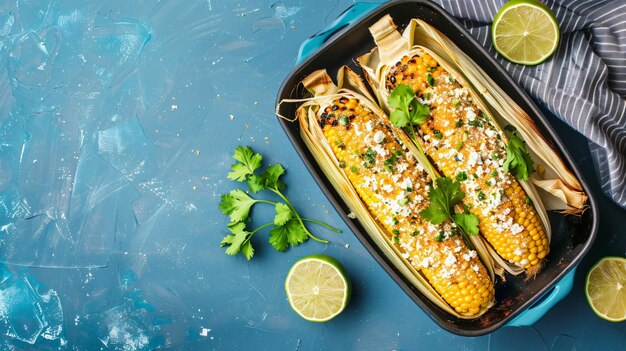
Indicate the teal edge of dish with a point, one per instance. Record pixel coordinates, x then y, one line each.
563 287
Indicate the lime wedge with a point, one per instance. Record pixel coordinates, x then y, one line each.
606 288
525 31
318 288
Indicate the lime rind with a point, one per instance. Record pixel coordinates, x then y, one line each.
593 269
553 35
340 272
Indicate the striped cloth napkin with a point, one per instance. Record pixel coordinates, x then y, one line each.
584 83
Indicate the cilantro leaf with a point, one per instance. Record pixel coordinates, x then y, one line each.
434 213
235 240
247 250
283 214
268 179
419 112
400 96
250 161
518 161
278 238
290 234
237 205
256 183
296 233
406 109
467 221
271 175
399 118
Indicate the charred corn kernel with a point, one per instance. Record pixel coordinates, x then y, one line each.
459 137
384 172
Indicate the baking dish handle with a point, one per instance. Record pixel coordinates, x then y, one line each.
546 302
349 16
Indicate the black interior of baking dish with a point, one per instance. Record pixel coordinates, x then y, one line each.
571 235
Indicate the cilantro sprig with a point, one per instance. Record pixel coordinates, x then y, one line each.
287 228
407 111
518 161
443 199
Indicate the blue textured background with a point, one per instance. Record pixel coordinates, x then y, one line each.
117 122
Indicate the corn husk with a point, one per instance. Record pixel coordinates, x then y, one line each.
350 85
555 188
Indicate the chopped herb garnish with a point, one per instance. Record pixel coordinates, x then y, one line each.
495 156
459 146
395 232
430 80
456 102
415 233
342 164
438 135
475 123
391 160
354 169
461 176
389 169
494 173
488 182
395 220
529 201
409 189
459 123
439 238
451 79
481 196
403 202
426 96
396 240
370 158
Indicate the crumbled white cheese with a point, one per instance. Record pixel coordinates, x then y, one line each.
406 183
517 252
426 262
379 136
369 125
490 132
474 157
450 260
517 228
471 115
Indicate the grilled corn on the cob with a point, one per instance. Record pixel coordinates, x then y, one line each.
394 188
463 143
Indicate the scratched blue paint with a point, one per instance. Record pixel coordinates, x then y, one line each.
117 122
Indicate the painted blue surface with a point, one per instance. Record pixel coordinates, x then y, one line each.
117 122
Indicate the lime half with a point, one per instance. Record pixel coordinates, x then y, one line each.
318 288
525 31
606 288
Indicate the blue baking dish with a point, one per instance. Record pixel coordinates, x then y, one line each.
519 302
